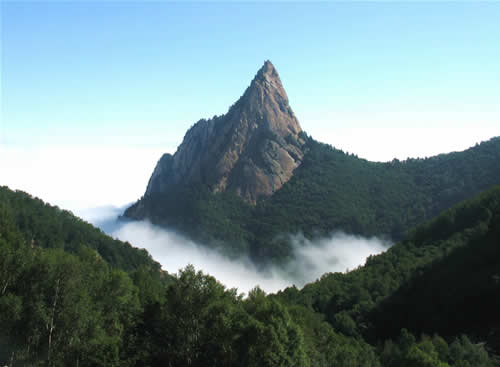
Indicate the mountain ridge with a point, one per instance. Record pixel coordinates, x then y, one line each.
241 188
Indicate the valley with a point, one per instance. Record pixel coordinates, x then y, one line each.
250 184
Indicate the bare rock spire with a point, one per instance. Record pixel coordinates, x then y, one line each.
252 150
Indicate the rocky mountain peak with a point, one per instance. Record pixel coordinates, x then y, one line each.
266 100
268 74
252 150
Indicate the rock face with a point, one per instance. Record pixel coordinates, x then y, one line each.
252 150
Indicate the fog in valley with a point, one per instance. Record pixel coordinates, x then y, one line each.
336 253
78 177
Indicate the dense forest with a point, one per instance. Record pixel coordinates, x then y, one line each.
70 295
45 226
444 278
331 190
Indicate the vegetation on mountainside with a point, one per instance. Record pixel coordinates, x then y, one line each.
65 303
43 225
460 291
331 190
443 279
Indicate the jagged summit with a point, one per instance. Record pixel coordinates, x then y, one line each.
253 149
267 71
268 68
266 93
269 77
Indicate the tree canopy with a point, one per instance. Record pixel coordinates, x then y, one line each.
64 303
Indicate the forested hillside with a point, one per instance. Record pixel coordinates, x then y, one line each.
331 190
63 304
460 291
42 225
443 279
64 301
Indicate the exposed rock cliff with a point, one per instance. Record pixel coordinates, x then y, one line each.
252 150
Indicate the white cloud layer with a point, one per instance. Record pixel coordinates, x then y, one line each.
77 177
173 251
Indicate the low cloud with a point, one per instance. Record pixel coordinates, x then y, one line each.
78 177
336 253
107 177
105 217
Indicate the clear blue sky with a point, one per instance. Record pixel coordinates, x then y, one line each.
73 70
372 78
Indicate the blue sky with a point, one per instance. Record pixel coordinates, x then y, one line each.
381 79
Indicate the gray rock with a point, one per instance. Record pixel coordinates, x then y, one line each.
252 150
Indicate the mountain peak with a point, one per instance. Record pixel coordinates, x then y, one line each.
252 150
268 70
266 100
268 79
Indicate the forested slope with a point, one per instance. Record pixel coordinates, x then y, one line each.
331 190
461 291
443 279
64 304
42 225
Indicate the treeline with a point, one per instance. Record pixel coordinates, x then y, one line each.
68 305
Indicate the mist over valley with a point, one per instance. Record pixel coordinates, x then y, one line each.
311 258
